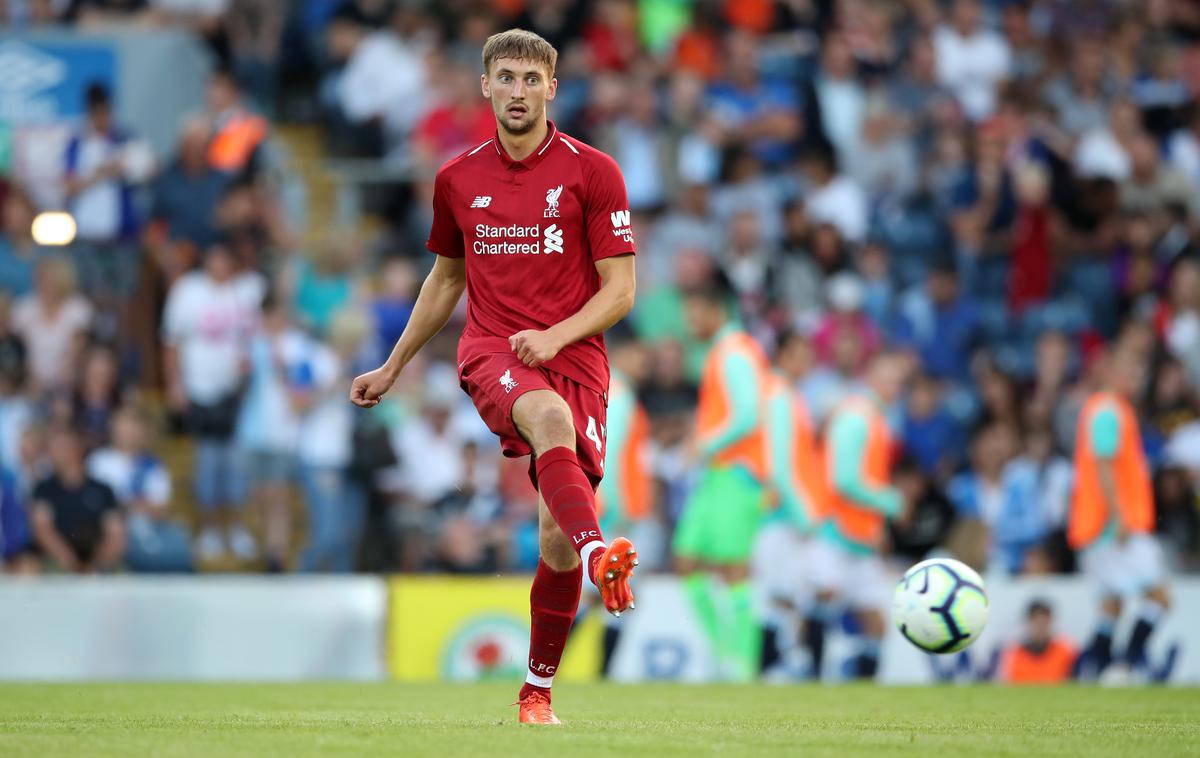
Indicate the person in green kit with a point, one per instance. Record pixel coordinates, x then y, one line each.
715 535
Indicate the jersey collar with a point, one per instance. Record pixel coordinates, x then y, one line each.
533 158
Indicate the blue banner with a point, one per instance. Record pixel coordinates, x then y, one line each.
45 82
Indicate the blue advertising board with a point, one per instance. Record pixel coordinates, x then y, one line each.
43 82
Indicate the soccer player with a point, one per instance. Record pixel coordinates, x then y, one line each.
845 564
798 494
1112 513
716 531
534 225
626 493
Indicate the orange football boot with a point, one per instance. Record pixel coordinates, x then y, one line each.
612 574
535 709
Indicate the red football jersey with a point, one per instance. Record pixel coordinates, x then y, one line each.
531 232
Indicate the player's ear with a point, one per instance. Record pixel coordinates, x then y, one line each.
485 86
552 89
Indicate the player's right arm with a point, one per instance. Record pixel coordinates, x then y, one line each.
848 439
1105 432
435 304
781 443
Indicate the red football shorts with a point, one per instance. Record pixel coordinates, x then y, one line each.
495 381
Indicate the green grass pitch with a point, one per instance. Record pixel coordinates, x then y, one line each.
95 720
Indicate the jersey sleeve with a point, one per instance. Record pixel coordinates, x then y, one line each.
606 216
1105 432
445 238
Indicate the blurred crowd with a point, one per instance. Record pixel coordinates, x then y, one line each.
1006 188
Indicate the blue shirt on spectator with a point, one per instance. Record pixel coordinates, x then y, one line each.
188 203
944 337
15 534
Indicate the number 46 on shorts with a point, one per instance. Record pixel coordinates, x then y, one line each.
597 439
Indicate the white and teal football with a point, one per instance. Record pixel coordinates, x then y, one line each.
940 605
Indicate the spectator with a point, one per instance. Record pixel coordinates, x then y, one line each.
917 97
328 282
12 374
1041 657
335 502
980 493
142 486
100 159
268 428
833 198
238 135
385 77
392 306
76 520
1081 97
17 549
208 320
1037 486
940 322
883 160
753 107
1177 510
845 295
459 121
1152 186
931 435
928 525
53 322
183 216
838 99
97 396
971 60
19 254
1178 318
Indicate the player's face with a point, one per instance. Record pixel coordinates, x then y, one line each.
519 91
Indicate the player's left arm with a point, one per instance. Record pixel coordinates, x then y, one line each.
610 240
611 303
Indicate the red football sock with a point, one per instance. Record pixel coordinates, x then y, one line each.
553 600
572 502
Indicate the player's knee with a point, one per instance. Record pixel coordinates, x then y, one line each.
552 425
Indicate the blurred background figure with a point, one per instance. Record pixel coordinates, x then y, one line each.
1041 656
77 520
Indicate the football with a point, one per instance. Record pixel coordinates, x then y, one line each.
940 605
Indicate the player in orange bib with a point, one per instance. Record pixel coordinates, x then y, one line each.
1112 515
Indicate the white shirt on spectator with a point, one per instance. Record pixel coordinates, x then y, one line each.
210 325
48 339
97 209
117 469
841 203
385 78
972 67
326 429
431 463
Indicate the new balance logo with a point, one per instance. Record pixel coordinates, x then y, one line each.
507 382
619 219
481 201
553 241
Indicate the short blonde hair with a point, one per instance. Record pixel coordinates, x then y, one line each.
521 45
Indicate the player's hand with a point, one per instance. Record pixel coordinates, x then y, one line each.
370 387
534 347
